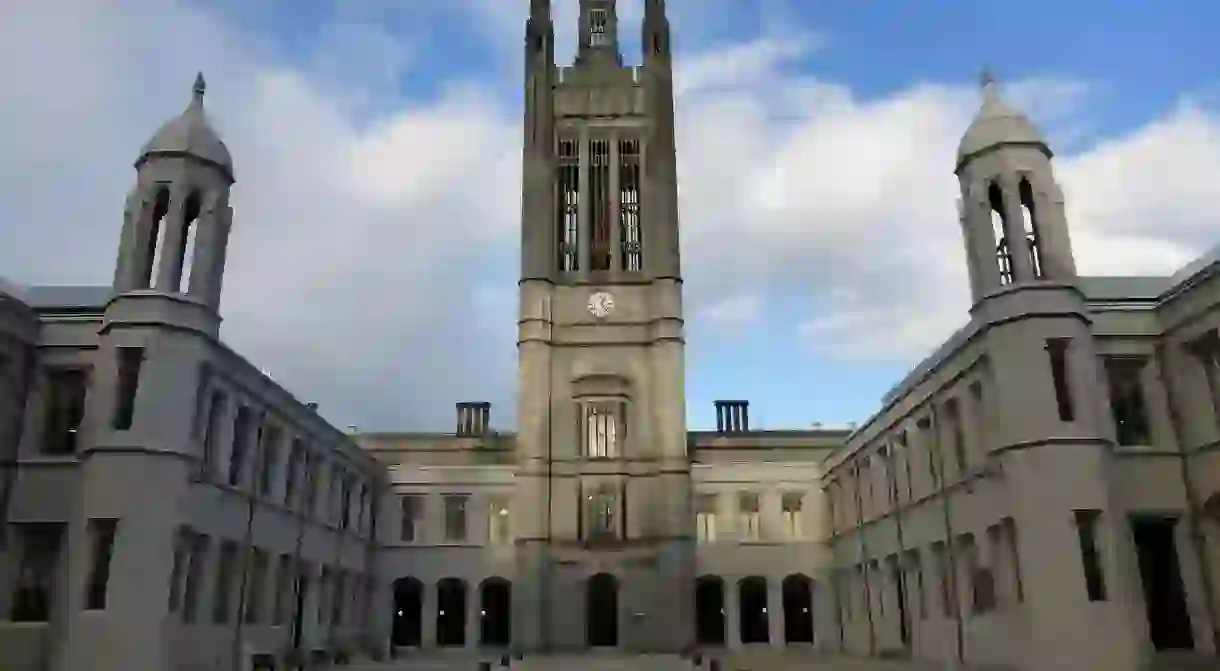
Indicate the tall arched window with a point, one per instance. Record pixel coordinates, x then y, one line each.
1003 253
1033 242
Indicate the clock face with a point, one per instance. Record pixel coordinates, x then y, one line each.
601 304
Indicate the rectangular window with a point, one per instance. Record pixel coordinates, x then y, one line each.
1127 403
292 477
568 197
412 508
957 434
242 424
101 535
920 595
256 584
793 524
944 579
979 415
222 602
37 554
268 458
1056 349
283 589
1009 526
599 198
597 27
748 505
130 360
63 409
211 430
630 238
602 514
182 559
1086 532
705 518
930 443
499 530
602 424
325 587
194 577
310 482
345 506
455 518
337 601
902 448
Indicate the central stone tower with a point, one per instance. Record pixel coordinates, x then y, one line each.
603 502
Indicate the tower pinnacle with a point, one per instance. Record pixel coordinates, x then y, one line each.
199 89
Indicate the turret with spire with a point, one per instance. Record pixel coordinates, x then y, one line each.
1012 208
179 207
1049 431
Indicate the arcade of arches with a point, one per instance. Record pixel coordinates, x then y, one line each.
751 610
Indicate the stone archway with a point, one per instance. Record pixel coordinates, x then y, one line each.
407 628
709 610
797 592
601 614
495 612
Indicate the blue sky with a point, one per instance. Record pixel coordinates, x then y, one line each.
821 248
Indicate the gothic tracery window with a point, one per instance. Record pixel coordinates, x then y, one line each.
630 240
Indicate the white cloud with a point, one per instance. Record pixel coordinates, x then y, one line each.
372 265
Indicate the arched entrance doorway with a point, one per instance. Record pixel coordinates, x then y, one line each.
408 610
451 612
798 609
601 615
752 600
495 600
709 610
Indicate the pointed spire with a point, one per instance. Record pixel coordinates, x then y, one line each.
989 87
199 89
986 78
996 122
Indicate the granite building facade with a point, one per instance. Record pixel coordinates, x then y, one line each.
1042 493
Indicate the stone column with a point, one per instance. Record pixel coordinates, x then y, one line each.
428 616
1160 417
980 237
474 616
775 611
732 614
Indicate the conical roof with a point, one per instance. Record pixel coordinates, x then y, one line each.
997 123
190 133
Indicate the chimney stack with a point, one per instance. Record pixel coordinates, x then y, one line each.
732 416
473 418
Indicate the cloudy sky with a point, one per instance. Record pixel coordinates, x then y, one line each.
372 264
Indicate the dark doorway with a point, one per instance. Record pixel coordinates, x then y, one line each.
601 617
495 599
407 629
709 610
1164 594
752 599
450 612
798 609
